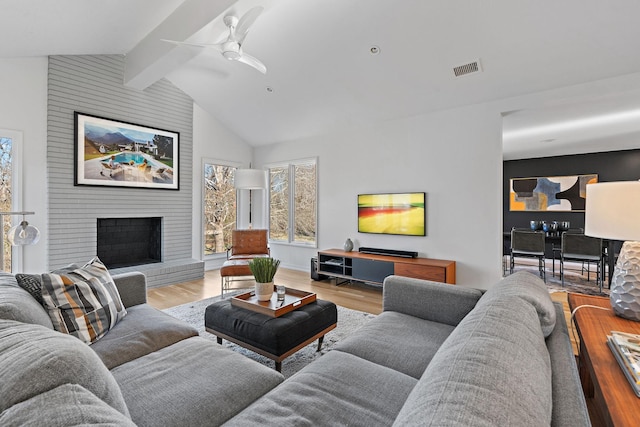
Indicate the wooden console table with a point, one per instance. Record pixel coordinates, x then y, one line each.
601 376
372 268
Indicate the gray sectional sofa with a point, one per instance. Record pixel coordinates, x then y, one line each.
149 370
438 355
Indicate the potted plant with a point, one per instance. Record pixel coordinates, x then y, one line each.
264 269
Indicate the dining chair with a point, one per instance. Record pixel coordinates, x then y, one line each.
528 244
556 248
584 249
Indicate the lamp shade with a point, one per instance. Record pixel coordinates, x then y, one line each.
250 179
23 234
613 210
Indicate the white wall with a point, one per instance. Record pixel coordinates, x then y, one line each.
23 107
454 156
211 140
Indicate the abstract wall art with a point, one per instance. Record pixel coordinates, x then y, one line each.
552 193
396 213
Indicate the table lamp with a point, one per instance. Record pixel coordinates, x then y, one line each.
250 179
613 212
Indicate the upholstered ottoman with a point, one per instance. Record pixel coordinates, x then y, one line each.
274 337
234 268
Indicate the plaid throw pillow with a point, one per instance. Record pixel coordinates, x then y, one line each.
83 302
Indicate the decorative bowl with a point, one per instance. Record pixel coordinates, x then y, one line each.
535 225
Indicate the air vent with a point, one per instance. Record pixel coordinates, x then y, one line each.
470 68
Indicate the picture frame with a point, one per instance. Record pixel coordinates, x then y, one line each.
550 193
114 153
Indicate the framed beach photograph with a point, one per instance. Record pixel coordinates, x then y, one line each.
119 154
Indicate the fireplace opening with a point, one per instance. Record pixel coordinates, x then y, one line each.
126 242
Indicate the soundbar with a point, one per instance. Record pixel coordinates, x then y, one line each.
390 252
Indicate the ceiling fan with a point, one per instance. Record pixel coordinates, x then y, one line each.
231 47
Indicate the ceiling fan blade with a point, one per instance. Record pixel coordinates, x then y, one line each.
246 22
252 62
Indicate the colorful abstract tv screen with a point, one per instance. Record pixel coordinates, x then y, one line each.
396 213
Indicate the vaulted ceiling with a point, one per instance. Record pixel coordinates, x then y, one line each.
321 74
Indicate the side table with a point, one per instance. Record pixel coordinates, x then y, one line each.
602 378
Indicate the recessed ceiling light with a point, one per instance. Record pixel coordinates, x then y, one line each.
269 89
374 50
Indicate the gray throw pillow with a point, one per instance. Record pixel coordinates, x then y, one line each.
31 283
493 370
66 405
34 359
529 288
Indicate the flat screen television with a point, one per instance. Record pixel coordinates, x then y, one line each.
392 213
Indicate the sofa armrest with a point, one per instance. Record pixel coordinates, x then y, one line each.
428 300
132 288
569 405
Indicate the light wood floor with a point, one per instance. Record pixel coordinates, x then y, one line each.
354 296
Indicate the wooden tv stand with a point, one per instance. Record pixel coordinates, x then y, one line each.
372 268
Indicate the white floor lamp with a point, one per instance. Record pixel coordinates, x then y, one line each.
250 179
613 212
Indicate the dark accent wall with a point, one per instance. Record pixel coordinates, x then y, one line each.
610 166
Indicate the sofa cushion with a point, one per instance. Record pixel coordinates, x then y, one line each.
17 304
66 405
398 341
31 283
82 302
338 389
192 382
493 370
34 359
530 288
143 331
438 302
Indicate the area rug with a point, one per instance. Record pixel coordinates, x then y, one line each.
574 281
348 321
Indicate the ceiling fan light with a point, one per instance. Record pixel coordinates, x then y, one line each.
230 55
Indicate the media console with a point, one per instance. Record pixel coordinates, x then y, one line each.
373 268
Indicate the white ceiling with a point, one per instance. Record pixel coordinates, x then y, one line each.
322 73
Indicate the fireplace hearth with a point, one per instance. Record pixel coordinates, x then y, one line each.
126 242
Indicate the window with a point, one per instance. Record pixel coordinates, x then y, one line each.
219 207
10 190
293 202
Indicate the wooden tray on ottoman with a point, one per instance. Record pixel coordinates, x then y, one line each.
293 299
